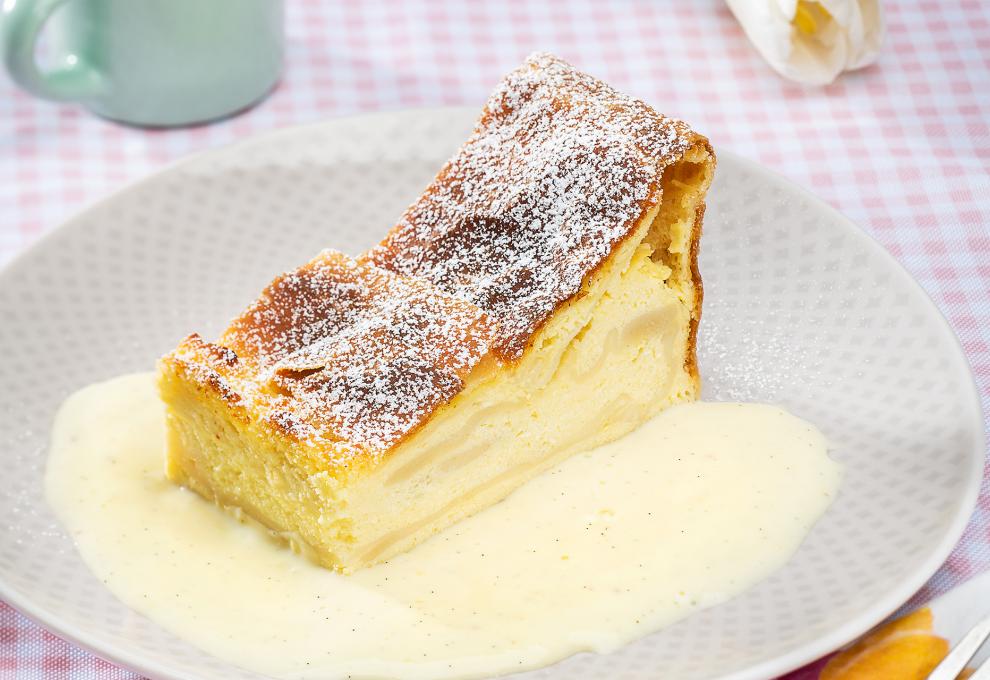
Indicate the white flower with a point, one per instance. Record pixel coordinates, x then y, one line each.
812 41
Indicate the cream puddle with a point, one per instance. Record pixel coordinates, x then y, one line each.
692 508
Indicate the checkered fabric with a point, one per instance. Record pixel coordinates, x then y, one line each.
902 148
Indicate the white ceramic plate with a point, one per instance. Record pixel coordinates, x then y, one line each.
801 309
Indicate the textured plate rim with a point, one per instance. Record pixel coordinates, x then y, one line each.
910 584
781 664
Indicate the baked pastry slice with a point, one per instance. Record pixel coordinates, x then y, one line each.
540 298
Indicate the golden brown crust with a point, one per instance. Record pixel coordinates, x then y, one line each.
691 357
204 364
355 356
696 281
342 354
559 170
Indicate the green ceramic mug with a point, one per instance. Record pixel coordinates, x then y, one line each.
147 62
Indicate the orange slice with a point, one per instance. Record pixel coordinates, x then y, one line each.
905 649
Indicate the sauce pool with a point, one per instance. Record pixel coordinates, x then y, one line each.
695 506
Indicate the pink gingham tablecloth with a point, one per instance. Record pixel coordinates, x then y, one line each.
902 148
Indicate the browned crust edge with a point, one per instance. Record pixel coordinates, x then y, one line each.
691 357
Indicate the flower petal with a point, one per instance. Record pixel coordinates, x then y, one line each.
812 41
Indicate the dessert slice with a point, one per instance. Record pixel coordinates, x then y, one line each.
541 298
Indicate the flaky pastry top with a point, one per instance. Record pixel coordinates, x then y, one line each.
558 170
354 355
343 353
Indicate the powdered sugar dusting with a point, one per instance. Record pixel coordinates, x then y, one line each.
558 170
345 353
351 356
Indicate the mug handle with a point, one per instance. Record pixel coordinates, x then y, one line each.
20 25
